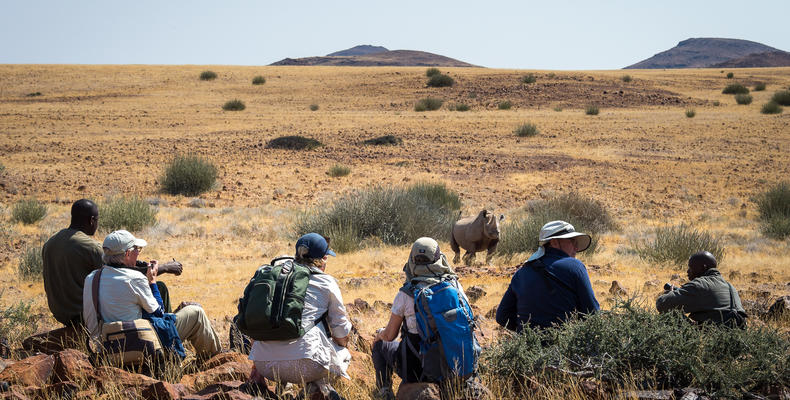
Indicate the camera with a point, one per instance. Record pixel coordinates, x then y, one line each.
142 266
667 286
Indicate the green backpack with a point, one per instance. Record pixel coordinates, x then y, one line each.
271 308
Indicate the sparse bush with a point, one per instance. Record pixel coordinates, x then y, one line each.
690 113
130 213
188 175
743 99
31 264
730 75
391 215
461 107
208 75
591 110
774 208
782 97
17 321
428 104
558 108
528 78
2 168
28 211
258 80
759 87
520 233
504 105
527 129
432 72
675 244
234 105
338 170
631 344
771 107
294 142
626 78
716 103
735 88
33 94
551 75
386 140
313 107
440 80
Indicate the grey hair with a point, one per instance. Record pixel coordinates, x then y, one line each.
316 262
115 259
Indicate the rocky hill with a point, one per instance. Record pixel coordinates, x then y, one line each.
704 53
767 59
400 58
360 50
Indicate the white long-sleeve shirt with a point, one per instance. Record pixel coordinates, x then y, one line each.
123 295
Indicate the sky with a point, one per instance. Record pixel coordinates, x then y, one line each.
560 34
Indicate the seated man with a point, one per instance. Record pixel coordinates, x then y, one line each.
126 294
707 297
552 284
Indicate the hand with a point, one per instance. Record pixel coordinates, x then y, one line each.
186 303
153 268
378 335
171 267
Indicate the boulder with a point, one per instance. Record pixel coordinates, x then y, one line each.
491 314
4 364
164 391
31 371
361 305
55 340
617 289
224 358
360 369
23 393
418 391
228 390
71 365
109 378
62 390
229 371
780 307
475 293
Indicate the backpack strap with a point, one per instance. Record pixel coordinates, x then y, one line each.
539 266
95 292
278 298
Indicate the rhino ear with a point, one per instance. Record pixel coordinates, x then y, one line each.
483 213
501 217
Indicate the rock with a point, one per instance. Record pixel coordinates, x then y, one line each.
230 371
652 283
780 307
31 371
111 378
360 369
649 394
382 305
491 314
592 390
475 293
418 391
71 365
674 277
23 393
197 203
223 358
54 341
164 391
62 390
617 289
355 282
4 363
228 390
361 305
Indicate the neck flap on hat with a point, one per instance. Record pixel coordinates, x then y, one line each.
427 274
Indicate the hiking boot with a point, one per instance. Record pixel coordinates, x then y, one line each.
385 393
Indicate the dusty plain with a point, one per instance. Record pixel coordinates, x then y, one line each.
99 131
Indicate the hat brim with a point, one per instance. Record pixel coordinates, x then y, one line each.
583 243
139 242
329 252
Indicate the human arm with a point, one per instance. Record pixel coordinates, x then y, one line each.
683 298
390 332
506 312
336 317
586 301
88 311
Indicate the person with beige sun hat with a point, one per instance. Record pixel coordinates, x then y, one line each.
552 284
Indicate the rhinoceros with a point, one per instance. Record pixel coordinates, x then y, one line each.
475 234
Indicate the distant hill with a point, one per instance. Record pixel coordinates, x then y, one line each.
399 58
703 53
360 50
767 59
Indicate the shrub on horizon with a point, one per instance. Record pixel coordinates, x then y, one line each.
234 105
386 140
432 72
440 80
293 142
626 78
313 107
208 75
591 110
130 213
759 87
28 211
188 175
504 105
730 75
338 170
529 78
31 264
428 104
690 113
771 107
782 97
461 107
743 99
735 88
773 206
258 80
527 129
675 244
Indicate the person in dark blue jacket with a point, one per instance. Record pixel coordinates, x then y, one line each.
552 284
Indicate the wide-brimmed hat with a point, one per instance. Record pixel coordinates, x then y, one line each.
560 230
118 242
313 245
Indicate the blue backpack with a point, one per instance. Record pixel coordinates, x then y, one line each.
448 346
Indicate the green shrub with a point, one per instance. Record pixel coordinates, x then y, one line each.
432 72
527 129
759 87
716 103
735 88
591 110
130 213
461 107
428 104
28 211
631 344
391 215
33 94
771 107
189 175
31 265
558 108
386 140
17 321
690 113
743 99
675 244
338 170
730 75
626 78
313 107
520 233
782 97
2 168
208 75
440 80
258 80
528 78
234 105
294 142
504 105
774 208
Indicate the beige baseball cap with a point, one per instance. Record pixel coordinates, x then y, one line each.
118 242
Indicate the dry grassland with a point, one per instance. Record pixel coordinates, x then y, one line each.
102 130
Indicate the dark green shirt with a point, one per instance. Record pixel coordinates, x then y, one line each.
69 256
706 298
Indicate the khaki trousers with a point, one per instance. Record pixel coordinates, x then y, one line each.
193 325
